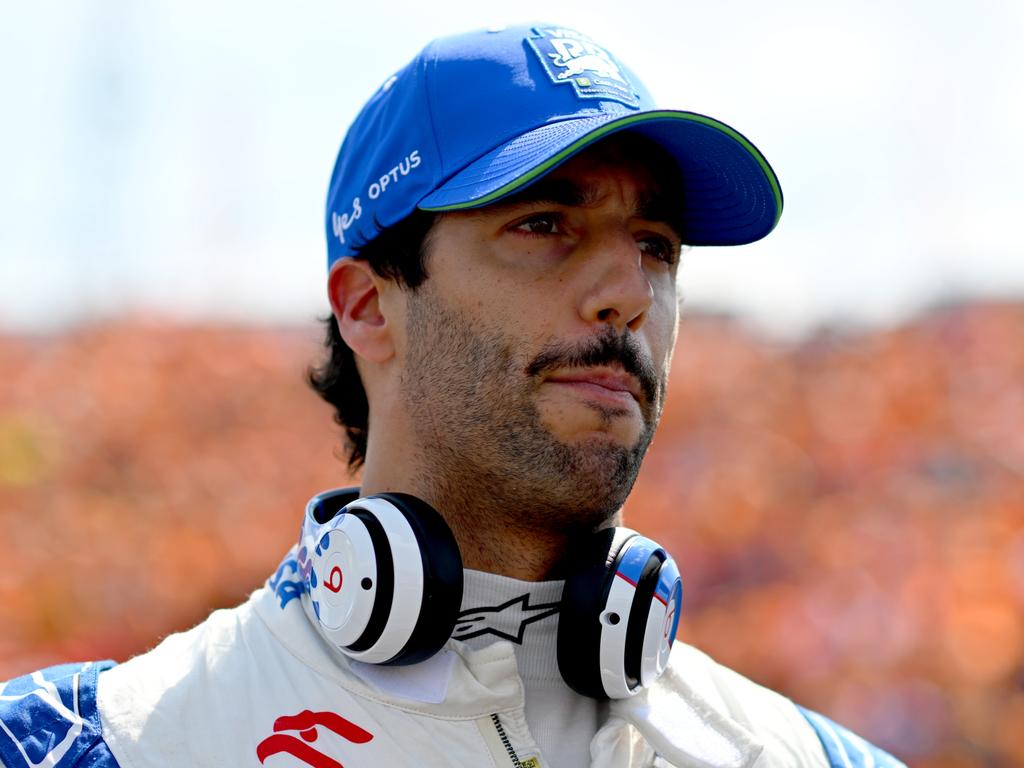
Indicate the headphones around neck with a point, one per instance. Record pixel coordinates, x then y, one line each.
383 578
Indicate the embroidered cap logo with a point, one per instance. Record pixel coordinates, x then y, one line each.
573 58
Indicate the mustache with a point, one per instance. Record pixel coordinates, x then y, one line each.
608 348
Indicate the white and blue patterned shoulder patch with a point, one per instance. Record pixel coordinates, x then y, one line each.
49 718
289 581
846 749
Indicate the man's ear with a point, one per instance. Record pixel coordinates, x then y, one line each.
353 288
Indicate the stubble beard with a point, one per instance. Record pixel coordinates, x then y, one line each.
484 449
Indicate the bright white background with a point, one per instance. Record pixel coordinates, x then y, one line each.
173 155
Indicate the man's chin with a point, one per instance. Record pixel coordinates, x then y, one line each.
603 441
602 470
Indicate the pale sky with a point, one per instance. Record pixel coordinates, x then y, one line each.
174 156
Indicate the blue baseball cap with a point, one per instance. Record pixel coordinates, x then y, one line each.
478 116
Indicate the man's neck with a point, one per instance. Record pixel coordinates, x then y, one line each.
508 550
490 533
489 542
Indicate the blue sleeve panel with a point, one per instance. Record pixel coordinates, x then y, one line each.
50 718
845 749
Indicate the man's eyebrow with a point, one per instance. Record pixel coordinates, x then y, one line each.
557 191
657 206
652 206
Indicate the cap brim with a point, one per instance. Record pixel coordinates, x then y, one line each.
731 193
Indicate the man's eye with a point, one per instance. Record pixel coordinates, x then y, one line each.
660 248
540 224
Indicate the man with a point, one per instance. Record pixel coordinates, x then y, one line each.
504 223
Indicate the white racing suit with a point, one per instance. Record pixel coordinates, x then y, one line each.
257 685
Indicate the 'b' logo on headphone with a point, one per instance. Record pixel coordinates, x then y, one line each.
670 616
334 580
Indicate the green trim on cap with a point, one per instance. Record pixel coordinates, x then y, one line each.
614 125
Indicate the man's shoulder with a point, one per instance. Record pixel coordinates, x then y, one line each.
190 675
791 734
66 715
50 717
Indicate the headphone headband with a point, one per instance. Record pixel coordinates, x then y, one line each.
384 585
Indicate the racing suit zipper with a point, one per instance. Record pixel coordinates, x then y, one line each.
505 741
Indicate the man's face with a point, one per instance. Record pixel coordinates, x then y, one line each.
535 355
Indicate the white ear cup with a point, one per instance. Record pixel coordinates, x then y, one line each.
343 579
383 575
618 614
614 623
624 612
662 623
407 582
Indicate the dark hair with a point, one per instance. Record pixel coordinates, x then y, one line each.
397 253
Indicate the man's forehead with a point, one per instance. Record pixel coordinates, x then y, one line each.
655 187
579 183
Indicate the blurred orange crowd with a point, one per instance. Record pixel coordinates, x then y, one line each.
847 512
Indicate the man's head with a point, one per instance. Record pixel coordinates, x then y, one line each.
512 318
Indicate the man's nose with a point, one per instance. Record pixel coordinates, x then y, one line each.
620 292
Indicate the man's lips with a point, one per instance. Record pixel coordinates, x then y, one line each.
601 383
